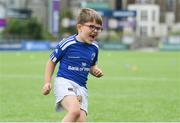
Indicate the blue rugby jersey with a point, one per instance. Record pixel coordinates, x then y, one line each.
75 59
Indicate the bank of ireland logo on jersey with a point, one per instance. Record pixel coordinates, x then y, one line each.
92 56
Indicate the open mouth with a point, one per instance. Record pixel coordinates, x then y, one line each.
92 36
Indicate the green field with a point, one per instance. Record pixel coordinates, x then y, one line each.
137 86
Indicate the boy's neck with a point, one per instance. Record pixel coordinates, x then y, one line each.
78 37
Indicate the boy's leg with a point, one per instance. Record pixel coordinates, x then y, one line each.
83 117
71 104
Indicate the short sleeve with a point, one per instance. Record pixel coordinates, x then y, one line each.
57 54
60 49
95 60
96 48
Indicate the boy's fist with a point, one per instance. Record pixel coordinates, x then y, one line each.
46 88
96 72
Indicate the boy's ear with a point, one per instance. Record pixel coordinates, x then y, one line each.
78 26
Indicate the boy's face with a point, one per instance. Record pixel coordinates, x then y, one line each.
89 31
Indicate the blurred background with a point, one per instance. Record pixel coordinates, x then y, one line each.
128 24
139 55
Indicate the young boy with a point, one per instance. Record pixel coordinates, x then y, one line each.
78 56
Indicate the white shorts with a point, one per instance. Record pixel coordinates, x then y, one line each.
64 87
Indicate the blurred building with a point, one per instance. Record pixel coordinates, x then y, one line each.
40 10
147 19
169 6
166 6
169 17
169 10
166 13
26 8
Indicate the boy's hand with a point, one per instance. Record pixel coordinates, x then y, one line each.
47 88
96 72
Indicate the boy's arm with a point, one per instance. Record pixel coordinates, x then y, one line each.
49 69
95 71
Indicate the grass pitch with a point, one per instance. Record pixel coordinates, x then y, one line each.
137 86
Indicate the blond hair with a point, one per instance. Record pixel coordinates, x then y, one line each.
89 15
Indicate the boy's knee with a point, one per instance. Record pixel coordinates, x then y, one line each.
75 113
